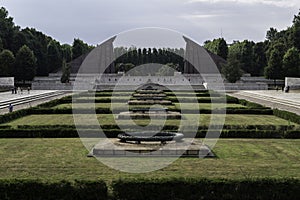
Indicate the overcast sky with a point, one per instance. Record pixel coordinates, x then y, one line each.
96 20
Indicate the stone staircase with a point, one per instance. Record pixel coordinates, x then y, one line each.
29 98
270 101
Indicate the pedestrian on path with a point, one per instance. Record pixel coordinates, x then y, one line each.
10 108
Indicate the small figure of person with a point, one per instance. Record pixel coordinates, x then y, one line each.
12 91
21 90
28 90
15 88
10 108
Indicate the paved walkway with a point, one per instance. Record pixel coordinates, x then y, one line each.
6 97
272 98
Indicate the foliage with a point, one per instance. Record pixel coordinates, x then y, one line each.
137 189
287 115
65 78
274 68
36 189
217 46
232 69
25 68
79 48
147 56
54 56
291 63
7 61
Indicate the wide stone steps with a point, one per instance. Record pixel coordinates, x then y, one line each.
27 99
284 102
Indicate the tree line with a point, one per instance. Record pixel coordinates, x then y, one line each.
25 53
128 58
275 58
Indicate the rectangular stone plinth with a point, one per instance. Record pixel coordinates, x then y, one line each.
114 148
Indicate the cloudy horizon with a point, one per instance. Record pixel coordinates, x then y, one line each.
96 20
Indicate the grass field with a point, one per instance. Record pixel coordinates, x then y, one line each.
106 119
57 159
188 106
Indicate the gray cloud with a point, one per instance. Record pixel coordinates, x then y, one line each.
96 20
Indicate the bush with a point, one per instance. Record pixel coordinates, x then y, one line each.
243 133
14 115
293 134
192 189
34 189
287 115
251 104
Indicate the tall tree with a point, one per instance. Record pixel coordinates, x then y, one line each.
259 59
7 28
79 48
7 60
232 70
272 34
65 78
295 35
274 68
217 46
291 63
54 56
67 52
1 45
25 67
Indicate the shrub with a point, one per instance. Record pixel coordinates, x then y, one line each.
34 189
287 115
192 189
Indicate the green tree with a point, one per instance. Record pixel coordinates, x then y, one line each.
217 46
259 59
7 60
1 45
7 28
272 34
54 56
295 31
274 68
25 67
291 63
232 70
65 78
67 52
79 48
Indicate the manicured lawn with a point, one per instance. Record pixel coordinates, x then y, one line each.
187 106
56 159
208 106
106 119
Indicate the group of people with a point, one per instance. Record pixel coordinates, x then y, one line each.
19 90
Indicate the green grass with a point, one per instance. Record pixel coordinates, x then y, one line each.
56 159
187 106
208 106
106 119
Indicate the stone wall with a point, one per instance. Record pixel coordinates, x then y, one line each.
7 82
294 83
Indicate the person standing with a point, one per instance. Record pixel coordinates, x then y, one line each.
10 108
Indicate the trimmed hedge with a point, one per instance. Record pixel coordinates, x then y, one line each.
287 115
251 104
35 189
14 115
193 189
245 133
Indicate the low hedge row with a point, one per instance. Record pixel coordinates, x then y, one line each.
112 133
193 189
14 115
287 115
251 104
35 189
137 189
